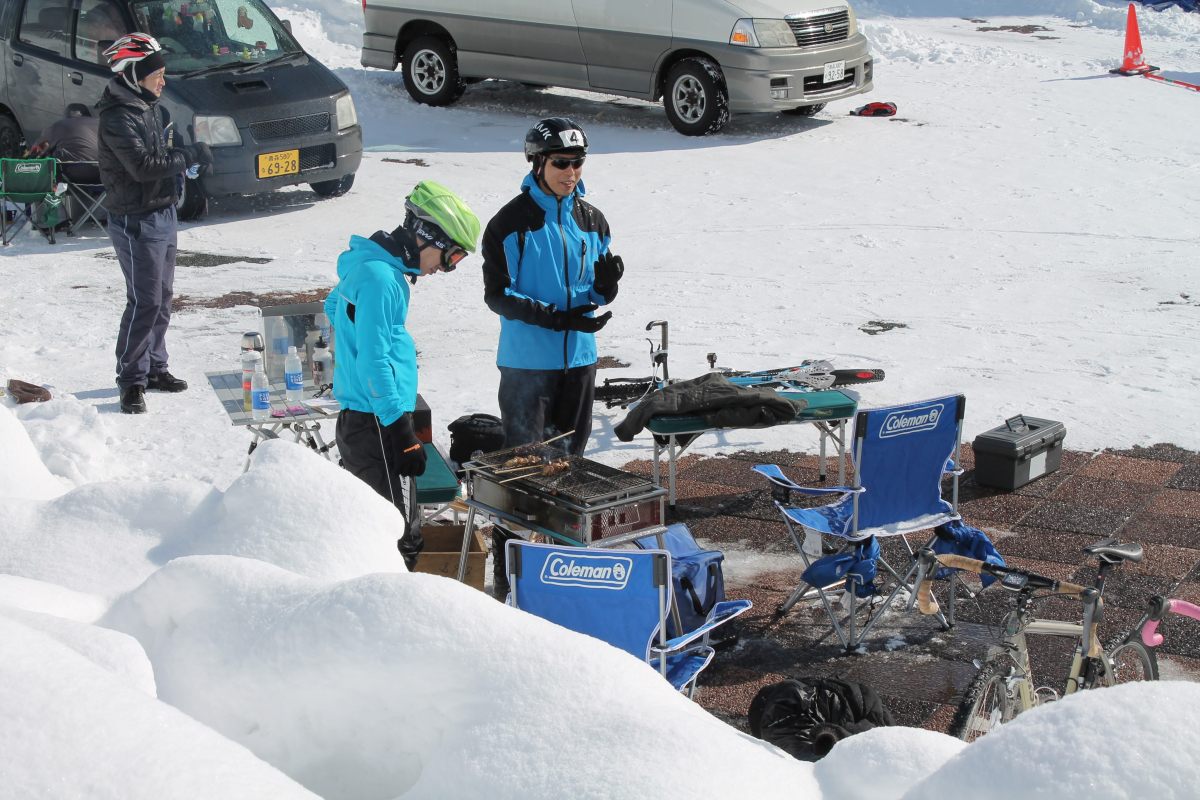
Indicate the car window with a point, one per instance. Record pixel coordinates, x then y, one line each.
47 24
100 24
196 34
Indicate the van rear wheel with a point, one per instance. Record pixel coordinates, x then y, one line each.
696 100
431 72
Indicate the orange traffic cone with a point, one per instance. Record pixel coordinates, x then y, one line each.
1134 63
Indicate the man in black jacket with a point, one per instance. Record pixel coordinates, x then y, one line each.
140 173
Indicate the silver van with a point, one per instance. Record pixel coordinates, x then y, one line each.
236 79
703 58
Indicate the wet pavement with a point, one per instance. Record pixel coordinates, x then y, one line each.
1148 495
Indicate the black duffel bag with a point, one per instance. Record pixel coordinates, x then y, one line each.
474 432
808 716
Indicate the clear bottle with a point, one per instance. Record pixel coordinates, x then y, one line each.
278 338
260 390
322 323
322 365
293 377
249 359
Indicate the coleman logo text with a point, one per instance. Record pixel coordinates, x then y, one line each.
591 572
913 420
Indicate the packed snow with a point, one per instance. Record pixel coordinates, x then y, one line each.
174 626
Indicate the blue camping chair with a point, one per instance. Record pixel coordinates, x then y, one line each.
621 597
900 455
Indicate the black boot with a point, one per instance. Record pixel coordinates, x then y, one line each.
133 400
165 382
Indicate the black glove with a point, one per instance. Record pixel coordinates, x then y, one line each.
198 154
407 458
574 320
608 270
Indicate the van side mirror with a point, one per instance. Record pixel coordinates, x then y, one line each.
287 24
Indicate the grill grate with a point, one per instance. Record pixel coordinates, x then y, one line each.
815 84
292 126
821 28
320 156
586 482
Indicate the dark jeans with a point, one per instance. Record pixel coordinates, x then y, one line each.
366 447
145 245
535 405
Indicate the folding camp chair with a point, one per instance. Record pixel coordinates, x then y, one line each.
88 194
23 182
621 597
900 455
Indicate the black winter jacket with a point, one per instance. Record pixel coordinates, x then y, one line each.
137 168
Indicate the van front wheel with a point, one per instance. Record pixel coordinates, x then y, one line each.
191 203
696 99
431 72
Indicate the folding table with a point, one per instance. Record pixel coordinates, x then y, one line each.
828 411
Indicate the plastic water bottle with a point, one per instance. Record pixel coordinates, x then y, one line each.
322 365
293 376
278 336
260 391
249 359
322 323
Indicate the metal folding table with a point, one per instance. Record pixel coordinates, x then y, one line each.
828 411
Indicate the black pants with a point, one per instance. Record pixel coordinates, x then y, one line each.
535 405
145 245
366 448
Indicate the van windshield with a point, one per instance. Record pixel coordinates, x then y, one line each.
211 33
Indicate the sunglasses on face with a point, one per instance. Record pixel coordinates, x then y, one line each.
564 163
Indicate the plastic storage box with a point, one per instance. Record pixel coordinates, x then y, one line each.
1019 451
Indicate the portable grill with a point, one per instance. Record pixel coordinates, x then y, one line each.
590 504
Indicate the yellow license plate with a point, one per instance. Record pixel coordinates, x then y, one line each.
271 165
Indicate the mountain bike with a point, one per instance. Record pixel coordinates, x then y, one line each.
1005 686
813 375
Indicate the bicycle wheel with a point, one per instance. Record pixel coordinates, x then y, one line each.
1131 660
985 704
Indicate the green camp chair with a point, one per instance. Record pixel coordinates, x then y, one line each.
23 182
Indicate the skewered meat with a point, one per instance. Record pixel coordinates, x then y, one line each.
527 449
527 461
556 467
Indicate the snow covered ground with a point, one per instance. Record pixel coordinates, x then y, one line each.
1027 218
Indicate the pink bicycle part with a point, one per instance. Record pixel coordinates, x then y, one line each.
1150 635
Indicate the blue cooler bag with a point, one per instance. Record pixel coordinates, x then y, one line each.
699 582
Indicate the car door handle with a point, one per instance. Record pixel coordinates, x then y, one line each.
18 59
77 78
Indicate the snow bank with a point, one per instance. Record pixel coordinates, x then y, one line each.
341 20
1123 743
410 683
47 598
22 473
116 652
71 438
292 509
297 511
1111 15
883 763
71 729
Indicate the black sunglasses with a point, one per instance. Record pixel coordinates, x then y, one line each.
563 163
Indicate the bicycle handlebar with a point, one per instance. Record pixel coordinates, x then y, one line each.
1150 635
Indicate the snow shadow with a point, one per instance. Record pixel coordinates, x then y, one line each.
493 116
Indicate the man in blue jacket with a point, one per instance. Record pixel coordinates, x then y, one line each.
546 268
375 380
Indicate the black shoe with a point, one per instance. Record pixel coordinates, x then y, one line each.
165 382
133 400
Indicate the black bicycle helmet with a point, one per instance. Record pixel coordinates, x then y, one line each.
555 135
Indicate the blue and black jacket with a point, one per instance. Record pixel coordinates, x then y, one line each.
538 254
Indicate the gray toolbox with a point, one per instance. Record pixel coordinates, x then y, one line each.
1019 451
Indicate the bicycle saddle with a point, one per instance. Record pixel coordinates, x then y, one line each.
1115 553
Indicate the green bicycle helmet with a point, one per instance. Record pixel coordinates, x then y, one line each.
435 205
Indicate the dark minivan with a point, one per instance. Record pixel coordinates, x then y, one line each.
236 79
